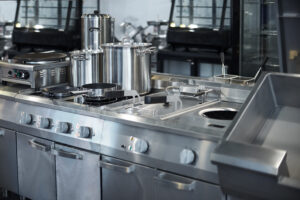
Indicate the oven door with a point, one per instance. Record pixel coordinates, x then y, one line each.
36 167
125 180
77 174
8 161
173 187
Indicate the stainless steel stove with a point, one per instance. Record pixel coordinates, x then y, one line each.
134 145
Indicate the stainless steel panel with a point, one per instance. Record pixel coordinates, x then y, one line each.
8 160
86 67
36 168
127 65
262 144
77 174
124 180
42 75
96 29
173 187
162 147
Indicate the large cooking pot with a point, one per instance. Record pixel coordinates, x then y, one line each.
127 64
96 29
86 67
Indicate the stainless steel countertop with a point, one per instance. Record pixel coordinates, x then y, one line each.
189 124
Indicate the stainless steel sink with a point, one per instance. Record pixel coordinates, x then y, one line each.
262 145
219 113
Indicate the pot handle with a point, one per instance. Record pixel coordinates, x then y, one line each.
92 29
150 50
80 57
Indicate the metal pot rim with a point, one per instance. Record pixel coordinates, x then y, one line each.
80 52
127 45
92 15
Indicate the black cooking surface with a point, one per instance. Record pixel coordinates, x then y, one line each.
59 92
98 101
99 86
65 94
39 57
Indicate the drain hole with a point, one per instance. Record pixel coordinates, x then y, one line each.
216 125
219 113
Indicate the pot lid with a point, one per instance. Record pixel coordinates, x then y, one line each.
39 58
96 14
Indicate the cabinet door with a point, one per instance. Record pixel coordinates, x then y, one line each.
36 167
124 180
8 160
77 174
173 187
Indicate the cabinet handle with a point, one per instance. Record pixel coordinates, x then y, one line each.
2 133
66 154
175 184
39 146
120 168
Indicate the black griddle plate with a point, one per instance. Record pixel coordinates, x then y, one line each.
36 58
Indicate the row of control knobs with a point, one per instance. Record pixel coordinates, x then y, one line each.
63 127
187 156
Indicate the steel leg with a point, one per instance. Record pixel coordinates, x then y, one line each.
3 193
22 198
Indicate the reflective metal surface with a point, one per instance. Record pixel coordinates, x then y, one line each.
8 161
128 65
133 181
262 144
96 29
77 174
134 145
37 76
86 67
36 168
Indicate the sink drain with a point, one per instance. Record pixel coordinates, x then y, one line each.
218 113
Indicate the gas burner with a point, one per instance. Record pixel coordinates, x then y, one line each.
95 101
59 92
98 101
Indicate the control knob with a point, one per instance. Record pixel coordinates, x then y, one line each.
64 127
27 119
140 146
45 123
24 75
85 132
187 156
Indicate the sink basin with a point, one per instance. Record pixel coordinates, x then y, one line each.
219 113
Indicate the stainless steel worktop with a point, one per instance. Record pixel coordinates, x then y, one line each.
160 137
188 124
261 146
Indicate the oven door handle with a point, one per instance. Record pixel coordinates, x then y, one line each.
66 154
2 132
116 167
175 184
39 146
